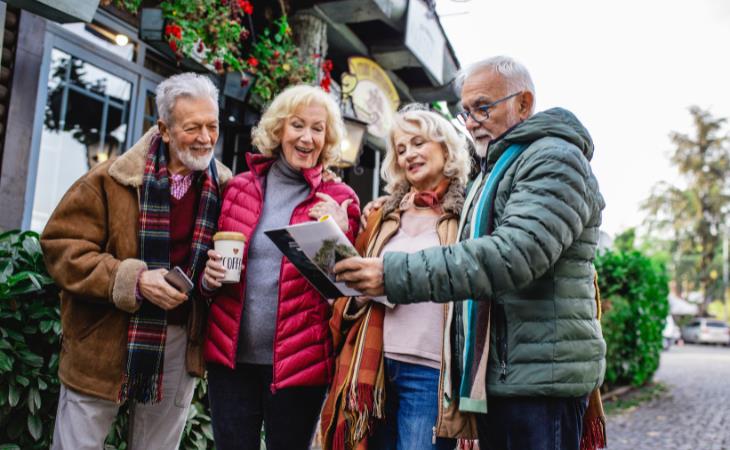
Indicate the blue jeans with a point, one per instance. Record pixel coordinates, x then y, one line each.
240 400
532 423
411 409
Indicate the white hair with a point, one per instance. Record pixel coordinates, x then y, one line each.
266 136
416 121
188 85
514 73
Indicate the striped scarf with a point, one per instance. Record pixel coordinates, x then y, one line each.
142 380
357 395
476 315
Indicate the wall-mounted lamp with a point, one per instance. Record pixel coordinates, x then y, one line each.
121 40
355 130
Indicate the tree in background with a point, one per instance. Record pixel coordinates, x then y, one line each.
692 216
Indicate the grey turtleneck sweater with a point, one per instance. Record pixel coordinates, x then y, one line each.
284 189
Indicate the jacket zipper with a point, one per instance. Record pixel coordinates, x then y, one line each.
501 324
242 283
276 329
440 416
278 302
312 192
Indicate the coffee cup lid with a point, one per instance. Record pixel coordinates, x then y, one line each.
229 236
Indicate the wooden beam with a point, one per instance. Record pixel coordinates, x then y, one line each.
339 35
394 57
391 12
62 11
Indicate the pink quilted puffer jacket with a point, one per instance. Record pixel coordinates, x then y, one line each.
303 353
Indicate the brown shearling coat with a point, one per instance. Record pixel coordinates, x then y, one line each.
90 247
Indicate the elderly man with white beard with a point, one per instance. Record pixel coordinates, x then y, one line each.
129 335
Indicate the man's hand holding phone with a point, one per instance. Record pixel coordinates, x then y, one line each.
179 280
154 287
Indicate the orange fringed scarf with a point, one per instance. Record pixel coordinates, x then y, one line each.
594 419
357 395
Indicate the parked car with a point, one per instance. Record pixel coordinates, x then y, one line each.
706 331
671 333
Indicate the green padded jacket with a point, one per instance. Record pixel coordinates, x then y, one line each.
536 267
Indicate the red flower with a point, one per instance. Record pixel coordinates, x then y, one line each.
327 65
325 83
201 47
224 2
244 82
173 30
276 53
252 61
173 45
218 65
246 6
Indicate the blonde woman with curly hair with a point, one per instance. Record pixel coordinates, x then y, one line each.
268 345
386 388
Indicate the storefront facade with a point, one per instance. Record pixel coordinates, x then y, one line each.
83 92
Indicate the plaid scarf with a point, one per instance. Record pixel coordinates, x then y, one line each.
357 394
142 380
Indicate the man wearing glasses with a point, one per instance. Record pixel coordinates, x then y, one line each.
527 337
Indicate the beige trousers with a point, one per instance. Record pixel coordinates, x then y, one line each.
83 421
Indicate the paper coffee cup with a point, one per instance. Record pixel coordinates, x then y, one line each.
230 246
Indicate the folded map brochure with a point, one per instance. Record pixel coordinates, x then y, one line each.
314 248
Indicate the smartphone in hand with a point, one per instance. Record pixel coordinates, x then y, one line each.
177 278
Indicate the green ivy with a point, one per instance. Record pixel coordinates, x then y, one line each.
29 342
30 331
634 289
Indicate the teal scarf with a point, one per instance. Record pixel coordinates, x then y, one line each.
476 315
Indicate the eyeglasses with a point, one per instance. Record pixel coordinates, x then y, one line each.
481 113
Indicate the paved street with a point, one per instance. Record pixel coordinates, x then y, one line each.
693 415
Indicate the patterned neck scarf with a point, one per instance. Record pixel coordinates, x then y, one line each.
426 199
148 326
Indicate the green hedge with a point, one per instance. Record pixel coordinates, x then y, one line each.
635 293
29 342
30 331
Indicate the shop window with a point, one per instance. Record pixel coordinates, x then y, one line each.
85 123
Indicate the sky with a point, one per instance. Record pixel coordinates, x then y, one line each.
629 70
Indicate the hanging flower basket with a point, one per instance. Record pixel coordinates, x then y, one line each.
277 63
210 32
152 28
210 35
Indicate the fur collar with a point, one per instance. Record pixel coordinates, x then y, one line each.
453 198
128 169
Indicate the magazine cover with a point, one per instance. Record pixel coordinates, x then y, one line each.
314 248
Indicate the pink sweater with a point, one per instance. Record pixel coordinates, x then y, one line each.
413 333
